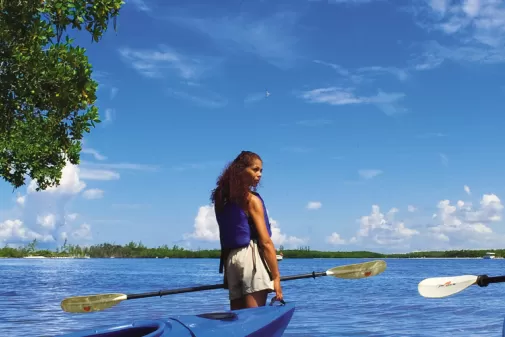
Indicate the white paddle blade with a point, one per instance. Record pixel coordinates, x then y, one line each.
437 287
359 270
84 304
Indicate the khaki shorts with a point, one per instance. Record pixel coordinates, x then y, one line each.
246 273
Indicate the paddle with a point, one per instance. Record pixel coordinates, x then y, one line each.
438 287
90 303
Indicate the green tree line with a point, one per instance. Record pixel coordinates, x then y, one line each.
139 250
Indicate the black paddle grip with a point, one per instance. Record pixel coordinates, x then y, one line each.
484 280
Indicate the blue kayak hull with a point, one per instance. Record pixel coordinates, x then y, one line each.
264 321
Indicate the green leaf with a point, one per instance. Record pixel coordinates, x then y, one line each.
47 95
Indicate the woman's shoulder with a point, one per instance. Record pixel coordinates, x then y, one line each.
254 200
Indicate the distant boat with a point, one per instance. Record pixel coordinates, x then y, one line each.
489 255
34 257
280 256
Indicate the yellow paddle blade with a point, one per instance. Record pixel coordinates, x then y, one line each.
358 270
83 304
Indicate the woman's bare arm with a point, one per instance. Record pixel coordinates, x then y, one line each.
257 214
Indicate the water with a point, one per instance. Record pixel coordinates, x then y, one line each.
384 305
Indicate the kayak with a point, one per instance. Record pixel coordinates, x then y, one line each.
251 322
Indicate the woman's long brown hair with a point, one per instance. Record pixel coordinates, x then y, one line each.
233 185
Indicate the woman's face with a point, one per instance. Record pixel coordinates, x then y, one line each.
254 171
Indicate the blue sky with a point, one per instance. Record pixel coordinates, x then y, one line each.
381 129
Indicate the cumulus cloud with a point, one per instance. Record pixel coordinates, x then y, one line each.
44 216
452 226
335 239
280 238
205 228
463 222
47 215
16 231
20 200
383 229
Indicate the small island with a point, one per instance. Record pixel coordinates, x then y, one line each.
139 250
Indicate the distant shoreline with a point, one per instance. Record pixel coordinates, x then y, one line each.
215 258
138 250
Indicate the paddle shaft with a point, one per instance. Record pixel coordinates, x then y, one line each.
484 280
212 287
296 277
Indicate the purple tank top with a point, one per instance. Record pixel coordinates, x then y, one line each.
235 228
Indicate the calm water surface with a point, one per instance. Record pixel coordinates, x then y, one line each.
385 305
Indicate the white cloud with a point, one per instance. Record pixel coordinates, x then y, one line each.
314 205
157 63
93 193
15 231
459 226
467 190
20 200
205 226
369 174
90 174
387 102
45 215
94 153
476 29
280 238
47 221
110 115
335 239
411 208
463 223
443 159
83 232
70 183
383 229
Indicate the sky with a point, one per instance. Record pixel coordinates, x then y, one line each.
378 123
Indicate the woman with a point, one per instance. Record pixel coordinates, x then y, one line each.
247 251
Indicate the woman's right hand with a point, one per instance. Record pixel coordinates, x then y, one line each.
278 289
